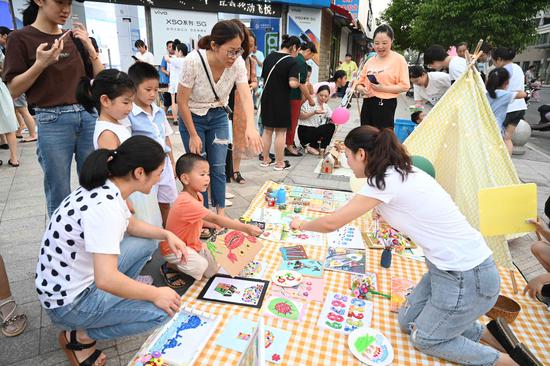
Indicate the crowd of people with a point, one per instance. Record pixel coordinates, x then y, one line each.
101 234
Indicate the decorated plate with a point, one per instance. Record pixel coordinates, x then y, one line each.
370 346
286 278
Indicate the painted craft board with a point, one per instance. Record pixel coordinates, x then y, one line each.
283 308
372 237
233 250
302 237
348 237
307 267
344 314
294 252
371 347
345 260
504 210
235 290
254 269
238 333
181 340
310 289
400 288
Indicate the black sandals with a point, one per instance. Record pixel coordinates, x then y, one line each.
70 347
507 339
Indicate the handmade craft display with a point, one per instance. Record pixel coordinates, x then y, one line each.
235 290
294 252
267 215
345 260
287 278
310 289
180 341
302 237
400 288
344 314
348 237
307 267
361 284
233 250
284 308
254 354
371 347
249 221
254 269
238 333
380 236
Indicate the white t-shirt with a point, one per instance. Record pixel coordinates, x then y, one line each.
193 76
146 57
86 222
420 208
517 80
317 119
123 130
174 68
457 67
438 84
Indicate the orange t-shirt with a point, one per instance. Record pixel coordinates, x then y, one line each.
185 220
392 70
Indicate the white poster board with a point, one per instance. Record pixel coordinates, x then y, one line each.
169 24
305 23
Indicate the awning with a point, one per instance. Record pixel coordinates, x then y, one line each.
308 3
339 11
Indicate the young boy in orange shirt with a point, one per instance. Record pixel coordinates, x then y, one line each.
186 221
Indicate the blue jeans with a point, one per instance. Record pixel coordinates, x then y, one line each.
442 311
106 316
213 130
62 132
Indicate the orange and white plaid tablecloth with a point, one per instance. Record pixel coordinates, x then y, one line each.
311 345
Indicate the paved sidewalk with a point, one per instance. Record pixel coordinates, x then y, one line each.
23 219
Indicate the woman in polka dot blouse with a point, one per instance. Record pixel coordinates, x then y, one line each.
85 276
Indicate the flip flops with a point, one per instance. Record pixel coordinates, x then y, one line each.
13 324
171 277
70 347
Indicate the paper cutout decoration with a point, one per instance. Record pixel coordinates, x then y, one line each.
235 290
346 237
310 289
287 278
504 210
233 250
361 284
293 252
370 347
254 269
254 354
238 332
344 314
345 260
284 308
307 267
181 340
378 237
400 288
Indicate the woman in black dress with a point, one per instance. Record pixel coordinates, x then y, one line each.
280 74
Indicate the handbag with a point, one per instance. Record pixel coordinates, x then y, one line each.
227 109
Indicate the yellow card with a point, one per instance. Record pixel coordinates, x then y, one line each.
505 210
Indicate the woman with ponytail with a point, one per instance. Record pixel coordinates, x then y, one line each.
500 98
462 282
46 63
86 271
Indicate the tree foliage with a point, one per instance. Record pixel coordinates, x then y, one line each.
418 24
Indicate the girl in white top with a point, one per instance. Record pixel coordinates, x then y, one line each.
85 275
315 129
462 282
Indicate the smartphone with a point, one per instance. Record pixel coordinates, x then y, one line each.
372 79
135 58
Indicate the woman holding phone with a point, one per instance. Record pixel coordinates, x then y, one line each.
41 58
383 77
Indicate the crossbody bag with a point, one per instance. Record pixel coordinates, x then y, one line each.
226 108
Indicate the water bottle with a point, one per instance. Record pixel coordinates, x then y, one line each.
281 196
385 259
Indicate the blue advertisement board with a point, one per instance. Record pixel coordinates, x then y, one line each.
267 33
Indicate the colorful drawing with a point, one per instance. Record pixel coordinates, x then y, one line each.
400 289
233 250
267 215
370 347
235 290
283 307
344 314
361 284
254 269
254 353
238 332
381 235
307 267
293 252
346 237
310 289
345 260
181 340
286 278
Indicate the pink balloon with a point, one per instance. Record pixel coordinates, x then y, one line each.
340 116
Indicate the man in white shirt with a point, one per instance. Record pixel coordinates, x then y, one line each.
143 55
428 86
435 57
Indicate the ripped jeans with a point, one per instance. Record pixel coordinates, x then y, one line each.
442 311
213 130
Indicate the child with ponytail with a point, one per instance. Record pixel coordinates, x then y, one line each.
500 98
462 282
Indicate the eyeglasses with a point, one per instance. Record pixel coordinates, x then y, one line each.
235 54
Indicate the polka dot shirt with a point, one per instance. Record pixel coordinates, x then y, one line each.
86 222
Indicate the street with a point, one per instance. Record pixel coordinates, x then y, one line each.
539 140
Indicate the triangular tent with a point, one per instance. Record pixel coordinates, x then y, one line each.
461 138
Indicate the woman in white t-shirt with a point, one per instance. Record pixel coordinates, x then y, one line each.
462 282
208 76
85 275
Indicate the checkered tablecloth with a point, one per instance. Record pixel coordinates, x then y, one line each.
311 345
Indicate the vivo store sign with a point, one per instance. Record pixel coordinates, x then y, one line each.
187 26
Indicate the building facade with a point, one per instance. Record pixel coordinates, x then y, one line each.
538 54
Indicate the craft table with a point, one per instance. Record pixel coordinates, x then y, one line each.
311 345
